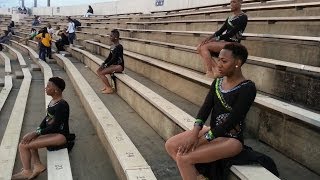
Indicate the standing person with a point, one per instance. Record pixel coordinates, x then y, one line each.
229 99
50 31
113 63
44 43
89 12
234 27
53 131
71 31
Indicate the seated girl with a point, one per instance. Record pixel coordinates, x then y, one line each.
234 27
52 132
229 99
114 62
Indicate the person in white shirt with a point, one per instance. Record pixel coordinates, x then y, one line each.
71 31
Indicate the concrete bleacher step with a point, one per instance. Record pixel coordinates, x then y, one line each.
280 159
7 63
18 74
135 127
262 45
287 167
275 72
297 26
173 119
15 54
262 111
1 82
35 67
126 159
58 161
304 8
10 139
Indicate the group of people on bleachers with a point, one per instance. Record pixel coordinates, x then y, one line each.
7 34
22 10
204 150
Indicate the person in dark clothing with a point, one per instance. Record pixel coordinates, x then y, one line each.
53 131
229 99
11 25
62 41
89 12
113 63
233 27
6 37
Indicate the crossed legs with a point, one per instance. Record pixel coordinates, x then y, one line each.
219 148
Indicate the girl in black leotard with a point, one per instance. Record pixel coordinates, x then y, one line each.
114 62
52 132
229 99
233 27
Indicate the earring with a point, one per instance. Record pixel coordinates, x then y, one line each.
237 66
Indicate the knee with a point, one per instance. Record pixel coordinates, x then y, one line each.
99 72
23 146
199 49
182 160
170 146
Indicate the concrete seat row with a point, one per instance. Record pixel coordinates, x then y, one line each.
10 140
266 113
261 45
126 159
153 108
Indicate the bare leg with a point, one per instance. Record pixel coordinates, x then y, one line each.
102 72
219 148
40 142
35 159
38 167
212 46
173 143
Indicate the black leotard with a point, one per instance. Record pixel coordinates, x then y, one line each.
56 120
115 56
228 120
234 27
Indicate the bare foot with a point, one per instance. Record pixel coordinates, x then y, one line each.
107 91
37 169
201 177
102 89
24 174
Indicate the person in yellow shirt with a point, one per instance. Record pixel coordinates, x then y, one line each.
44 43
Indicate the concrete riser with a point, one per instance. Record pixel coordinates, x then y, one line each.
287 28
313 11
166 129
115 163
282 138
162 124
301 52
282 84
122 175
